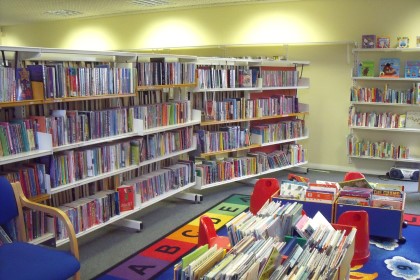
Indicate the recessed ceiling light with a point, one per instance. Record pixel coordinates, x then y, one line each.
150 2
64 13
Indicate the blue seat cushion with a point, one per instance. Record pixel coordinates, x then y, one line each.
23 261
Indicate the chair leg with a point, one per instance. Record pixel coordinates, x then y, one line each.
76 276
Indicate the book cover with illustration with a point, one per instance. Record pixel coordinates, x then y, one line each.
368 41
126 196
389 67
366 68
23 85
412 69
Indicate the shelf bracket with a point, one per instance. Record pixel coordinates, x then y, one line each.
195 197
127 223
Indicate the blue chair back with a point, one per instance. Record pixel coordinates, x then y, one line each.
8 207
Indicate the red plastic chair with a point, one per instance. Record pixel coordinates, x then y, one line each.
360 220
207 234
353 176
263 191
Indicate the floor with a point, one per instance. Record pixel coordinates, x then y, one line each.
105 247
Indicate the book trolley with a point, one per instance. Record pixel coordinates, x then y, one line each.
383 223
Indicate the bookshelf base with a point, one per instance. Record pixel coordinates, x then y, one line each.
127 223
194 197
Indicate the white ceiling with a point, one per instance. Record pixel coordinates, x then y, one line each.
14 12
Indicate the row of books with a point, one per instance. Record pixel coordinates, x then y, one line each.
273 220
87 212
159 72
241 108
260 256
227 138
388 67
279 78
384 120
18 136
266 133
159 182
226 76
355 192
73 165
393 96
160 144
58 80
387 196
255 162
32 177
163 114
72 126
379 149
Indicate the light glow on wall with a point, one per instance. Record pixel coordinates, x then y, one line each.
88 38
170 32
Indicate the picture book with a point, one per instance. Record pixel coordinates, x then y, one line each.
403 42
368 41
412 69
358 183
23 85
389 67
366 68
383 42
412 120
126 195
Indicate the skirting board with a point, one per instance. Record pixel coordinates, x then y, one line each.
343 169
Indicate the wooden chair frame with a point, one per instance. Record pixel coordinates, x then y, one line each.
22 201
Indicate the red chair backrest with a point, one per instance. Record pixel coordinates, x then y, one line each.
263 191
206 230
353 175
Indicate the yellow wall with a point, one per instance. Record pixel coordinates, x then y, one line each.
288 22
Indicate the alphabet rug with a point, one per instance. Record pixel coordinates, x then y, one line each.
388 259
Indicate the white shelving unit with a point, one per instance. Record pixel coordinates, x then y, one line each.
45 140
258 87
404 136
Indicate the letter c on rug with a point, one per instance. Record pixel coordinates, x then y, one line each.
185 233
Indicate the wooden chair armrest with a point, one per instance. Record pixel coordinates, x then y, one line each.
55 212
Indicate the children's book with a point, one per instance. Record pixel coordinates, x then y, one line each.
412 120
368 41
389 67
126 195
23 85
366 68
412 69
383 42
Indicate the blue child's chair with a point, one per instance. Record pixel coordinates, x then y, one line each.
21 260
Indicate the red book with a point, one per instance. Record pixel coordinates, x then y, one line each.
126 196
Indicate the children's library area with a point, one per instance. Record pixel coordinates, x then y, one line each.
212 140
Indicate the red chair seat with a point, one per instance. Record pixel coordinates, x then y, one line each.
207 234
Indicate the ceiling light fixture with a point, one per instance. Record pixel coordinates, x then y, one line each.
150 2
63 13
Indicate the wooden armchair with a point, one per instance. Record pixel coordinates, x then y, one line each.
22 260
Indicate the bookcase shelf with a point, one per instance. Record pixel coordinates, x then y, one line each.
24 156
115 80
230 150
243 93
125 214
413 130
121 170
398 98
212 185
300 114
407 160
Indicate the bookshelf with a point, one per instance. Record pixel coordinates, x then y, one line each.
235 95
383 110
108 142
